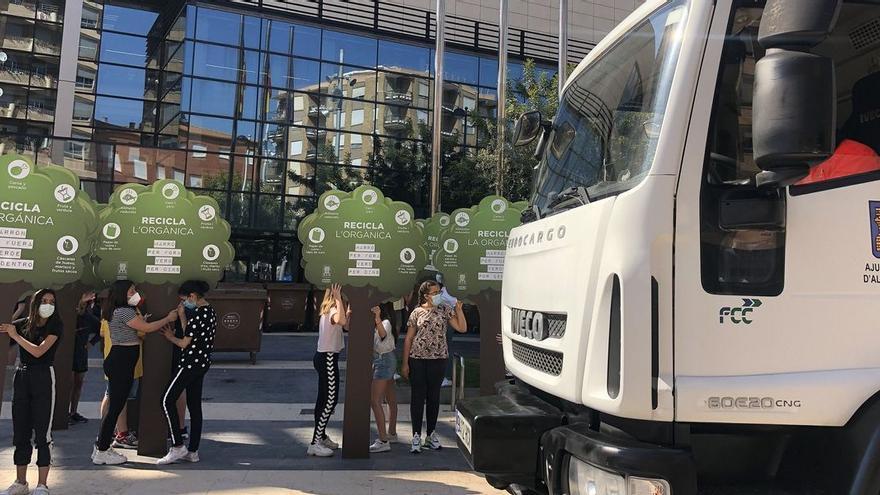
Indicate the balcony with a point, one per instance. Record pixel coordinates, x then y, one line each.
315 133
48 13
316 110
13 111
15 75
396 123
22 43
398 97
311 154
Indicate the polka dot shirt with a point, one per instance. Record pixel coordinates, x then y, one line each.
201 327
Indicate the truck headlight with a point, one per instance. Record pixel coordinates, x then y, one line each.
586 479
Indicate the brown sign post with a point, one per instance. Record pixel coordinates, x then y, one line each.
152 424
358 374
491 355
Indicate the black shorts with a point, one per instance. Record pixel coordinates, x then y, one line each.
81 353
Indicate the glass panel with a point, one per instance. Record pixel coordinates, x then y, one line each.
404 57
210 133
114 80
307 41
349 48
218 62
123 49
248 102
47 39
489 72
253 37
251 67
273 139
279 36
82 111
127 114
44 72
300 178
339 80
295 209
218 26
270 175
278 69
247 137
20 8
213 97
460 68
88 47
208 171
128 20
18 35
306 74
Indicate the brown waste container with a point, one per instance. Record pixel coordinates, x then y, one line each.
287 306
239 319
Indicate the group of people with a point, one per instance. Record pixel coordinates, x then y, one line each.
36 331
424 360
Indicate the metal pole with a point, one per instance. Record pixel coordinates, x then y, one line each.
338 92
436 143
502 94
563 45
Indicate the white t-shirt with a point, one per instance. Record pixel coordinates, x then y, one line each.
386 345
329 335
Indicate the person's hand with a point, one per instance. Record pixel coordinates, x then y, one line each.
87 297
10 329
167 333
459 306
404 370
376 311
336 291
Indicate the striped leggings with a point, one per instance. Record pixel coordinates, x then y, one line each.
327 366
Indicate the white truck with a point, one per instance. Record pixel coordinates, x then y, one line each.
692 304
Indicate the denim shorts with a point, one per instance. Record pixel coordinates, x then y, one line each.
384 366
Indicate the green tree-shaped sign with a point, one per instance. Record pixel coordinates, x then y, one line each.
46 224
361 239
472 248
434 226
161 233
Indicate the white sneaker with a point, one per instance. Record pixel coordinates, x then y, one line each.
416 446
330 444
433 442
319 450
191 457
446 383
41 490
17 488
396 376
108 457
380 446
174 454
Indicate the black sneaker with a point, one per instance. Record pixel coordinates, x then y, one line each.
77 418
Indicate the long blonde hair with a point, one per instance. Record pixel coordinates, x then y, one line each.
329 303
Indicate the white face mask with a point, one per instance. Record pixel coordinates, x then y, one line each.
134 299
46 310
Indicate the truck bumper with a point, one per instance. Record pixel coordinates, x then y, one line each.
500 435
621 456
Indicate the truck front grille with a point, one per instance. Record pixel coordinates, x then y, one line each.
545 361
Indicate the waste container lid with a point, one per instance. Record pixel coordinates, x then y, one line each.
227 294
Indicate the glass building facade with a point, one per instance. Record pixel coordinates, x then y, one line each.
262 111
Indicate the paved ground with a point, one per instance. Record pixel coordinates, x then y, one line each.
256 434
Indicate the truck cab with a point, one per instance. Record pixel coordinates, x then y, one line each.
690 303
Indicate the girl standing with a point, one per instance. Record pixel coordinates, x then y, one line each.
384 367
334 317
125 323
195 347
424 358
33 396
88 324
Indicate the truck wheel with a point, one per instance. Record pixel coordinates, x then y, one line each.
497 483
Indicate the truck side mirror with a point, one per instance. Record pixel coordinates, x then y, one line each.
527 128
793 107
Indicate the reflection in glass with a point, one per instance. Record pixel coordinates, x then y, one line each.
207 134
279 36
115 80
349 48
459 67
218 26
394 56
218 62
307 41
128 20
119 113
213 97
123 49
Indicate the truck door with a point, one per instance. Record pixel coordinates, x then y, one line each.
775 286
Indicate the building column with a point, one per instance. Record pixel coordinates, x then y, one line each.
67 69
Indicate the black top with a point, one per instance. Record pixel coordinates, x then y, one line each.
201 327
36 336
178 332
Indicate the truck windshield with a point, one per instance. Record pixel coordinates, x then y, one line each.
605 133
